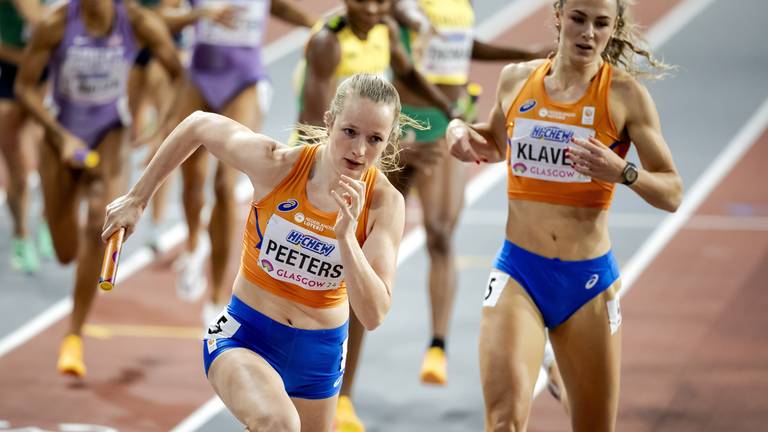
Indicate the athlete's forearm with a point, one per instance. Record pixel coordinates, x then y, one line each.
31 100
10 54
369 296
663 190
429 91
488 52
288 12
176 20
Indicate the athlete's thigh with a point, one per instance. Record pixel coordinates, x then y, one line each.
249 386
60 186
107 180
511 348
441 192
316 414
244 108
588 351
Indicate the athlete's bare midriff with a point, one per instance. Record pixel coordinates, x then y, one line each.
558 231
286 311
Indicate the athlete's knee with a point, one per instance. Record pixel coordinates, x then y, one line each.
511 417
65 241
439 238
286 420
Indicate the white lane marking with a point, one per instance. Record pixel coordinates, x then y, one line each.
491 175
707 181
412 241
143 256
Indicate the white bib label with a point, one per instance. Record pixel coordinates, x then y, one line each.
537 150
250 24
447 54
497 281
223 327
293 254
94 75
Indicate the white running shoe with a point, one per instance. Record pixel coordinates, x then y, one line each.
192 279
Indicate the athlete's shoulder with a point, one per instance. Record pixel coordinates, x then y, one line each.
626 86
286 156
386 198
514 72
50 29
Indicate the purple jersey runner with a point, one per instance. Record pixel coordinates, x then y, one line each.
227 60
90 76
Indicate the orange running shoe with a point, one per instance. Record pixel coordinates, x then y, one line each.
346 420
434 367
71 356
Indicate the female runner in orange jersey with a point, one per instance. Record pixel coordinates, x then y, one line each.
322 234
565 125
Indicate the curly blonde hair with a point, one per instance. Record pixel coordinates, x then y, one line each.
626 44
376 89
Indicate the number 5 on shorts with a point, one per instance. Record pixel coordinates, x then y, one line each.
496 283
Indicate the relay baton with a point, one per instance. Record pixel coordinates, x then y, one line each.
88 158
111 259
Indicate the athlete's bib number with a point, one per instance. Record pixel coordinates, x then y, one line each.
93 75
250 23
537 150
448 54
294 254
497 281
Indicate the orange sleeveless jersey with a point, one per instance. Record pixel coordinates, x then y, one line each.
540 130
289 246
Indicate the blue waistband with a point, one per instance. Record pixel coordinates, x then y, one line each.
257 321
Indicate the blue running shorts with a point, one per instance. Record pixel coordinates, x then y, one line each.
310 362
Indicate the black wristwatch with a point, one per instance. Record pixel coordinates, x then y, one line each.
629 174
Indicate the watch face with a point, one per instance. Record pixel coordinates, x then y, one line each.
630 174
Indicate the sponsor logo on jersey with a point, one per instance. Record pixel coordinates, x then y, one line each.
267 266
310 243
588 115
288 205
528 105
552 133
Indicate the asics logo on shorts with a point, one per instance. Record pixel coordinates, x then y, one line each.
592 281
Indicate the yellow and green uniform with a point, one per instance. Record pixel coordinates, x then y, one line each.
371 55
443 59
13 34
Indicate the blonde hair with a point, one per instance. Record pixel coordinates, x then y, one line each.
627 43
376 89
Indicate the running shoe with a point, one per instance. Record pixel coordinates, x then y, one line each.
24 256
346 420
191 267
71 356
434 367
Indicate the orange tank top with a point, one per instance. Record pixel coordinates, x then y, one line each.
539 130
289 246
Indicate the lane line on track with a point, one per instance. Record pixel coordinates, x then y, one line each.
707 181
668 26
414 239
169 239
